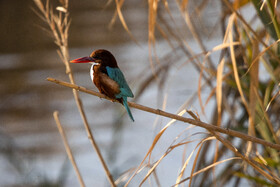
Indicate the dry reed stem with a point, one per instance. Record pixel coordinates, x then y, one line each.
219 96
174 116
219 90
254 84
67 148
59 25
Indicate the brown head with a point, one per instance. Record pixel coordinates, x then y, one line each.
100 56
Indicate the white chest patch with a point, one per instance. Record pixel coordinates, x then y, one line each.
91 72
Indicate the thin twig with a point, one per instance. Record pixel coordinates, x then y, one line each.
174 116
67 147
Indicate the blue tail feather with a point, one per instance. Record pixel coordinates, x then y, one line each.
127 108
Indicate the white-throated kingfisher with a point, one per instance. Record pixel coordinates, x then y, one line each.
107 76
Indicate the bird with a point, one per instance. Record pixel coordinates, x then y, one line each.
107 77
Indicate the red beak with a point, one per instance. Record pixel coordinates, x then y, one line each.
83 60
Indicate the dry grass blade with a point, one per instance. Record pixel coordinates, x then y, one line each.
67 147
219 91
125 176
202 68
118 7
233 60
184 4
162 157
219 94
165 3
113 20
259 55
197 156
271 100
195 33
206 168
174 116
153 168
264 2
153 8
211 94
222 46
188 159
40 5
153 5
261 158
265 115
214 90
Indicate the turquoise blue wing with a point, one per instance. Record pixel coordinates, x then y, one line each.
117 75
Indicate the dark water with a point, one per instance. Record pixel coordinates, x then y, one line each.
31 150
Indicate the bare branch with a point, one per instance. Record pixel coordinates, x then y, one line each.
174 116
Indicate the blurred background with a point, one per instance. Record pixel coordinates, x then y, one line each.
31 149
